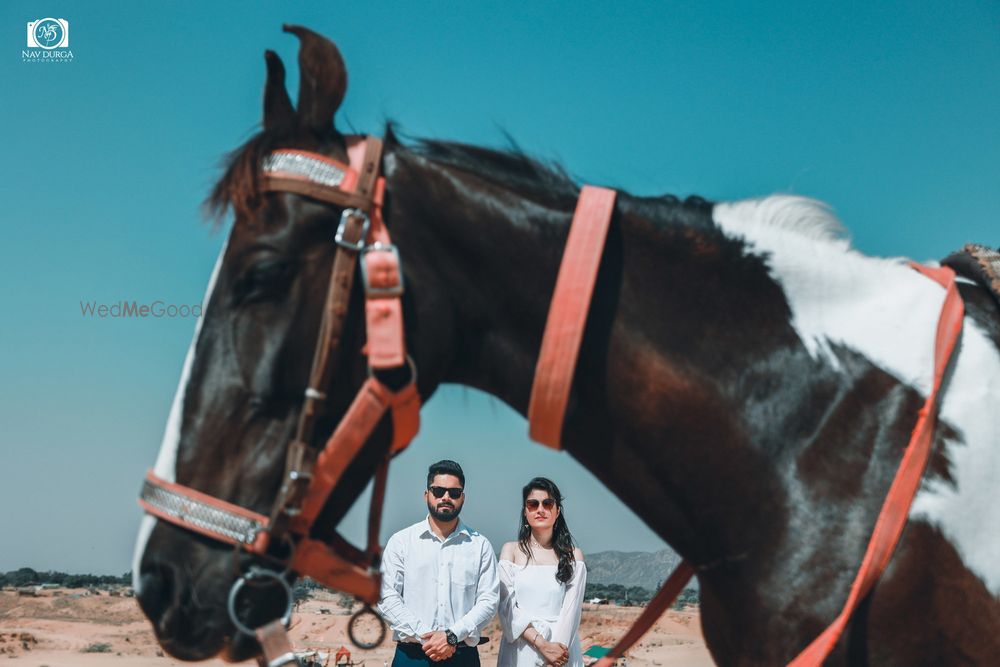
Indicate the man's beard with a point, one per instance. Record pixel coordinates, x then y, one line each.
450 515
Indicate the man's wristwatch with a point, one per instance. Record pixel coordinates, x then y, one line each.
451 637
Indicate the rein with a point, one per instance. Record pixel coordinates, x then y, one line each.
312 473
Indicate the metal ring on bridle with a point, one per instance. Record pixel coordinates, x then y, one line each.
409 362
258 573
364 611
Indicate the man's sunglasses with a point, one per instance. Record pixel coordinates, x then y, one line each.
454 493
532 504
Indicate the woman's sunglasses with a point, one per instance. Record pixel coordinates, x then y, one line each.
532 504
454 492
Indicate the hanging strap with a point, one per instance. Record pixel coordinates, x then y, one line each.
896 508
350 436
892 517
668 592
568 315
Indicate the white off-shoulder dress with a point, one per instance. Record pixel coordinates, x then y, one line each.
531 595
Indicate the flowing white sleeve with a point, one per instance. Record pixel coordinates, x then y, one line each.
513 621
572 606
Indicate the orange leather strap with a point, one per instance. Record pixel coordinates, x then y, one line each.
568 315
405 417
347 440
891 520
322 563
383 307
326 563
383 281
896 508
349 437
668 592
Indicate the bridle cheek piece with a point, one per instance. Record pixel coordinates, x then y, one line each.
311 473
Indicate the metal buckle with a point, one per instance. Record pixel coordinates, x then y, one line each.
342 227
381 292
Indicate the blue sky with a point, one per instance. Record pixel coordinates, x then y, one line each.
887 111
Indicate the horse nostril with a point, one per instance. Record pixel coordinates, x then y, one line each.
158 596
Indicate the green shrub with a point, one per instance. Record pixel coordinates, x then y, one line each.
97 648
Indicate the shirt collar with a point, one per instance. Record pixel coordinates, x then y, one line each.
427 531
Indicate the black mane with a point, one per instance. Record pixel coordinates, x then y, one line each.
546 183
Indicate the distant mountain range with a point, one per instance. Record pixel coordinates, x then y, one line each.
631 568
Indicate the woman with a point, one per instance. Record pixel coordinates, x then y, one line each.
542 581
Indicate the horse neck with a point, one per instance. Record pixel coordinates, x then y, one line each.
696 399
482 264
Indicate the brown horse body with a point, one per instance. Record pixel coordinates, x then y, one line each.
696 399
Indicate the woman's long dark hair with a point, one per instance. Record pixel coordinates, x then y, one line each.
562 541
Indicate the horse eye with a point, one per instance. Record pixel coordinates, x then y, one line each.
263 280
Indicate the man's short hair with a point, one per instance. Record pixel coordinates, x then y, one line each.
445 467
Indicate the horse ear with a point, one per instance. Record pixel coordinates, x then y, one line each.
323 79
278 110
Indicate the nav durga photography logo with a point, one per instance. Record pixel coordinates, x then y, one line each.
48 33
48 41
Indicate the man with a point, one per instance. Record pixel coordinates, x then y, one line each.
439 579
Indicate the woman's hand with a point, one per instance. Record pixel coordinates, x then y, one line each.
554 653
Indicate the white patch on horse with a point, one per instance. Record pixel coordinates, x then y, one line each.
968 513
888 312
166 460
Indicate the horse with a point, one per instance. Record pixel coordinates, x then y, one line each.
746 384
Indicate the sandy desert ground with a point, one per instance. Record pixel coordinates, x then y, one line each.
55 629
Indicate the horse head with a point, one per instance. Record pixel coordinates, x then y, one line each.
241 392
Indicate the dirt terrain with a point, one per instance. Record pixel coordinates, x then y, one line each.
70 628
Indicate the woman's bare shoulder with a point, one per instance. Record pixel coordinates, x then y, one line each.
577 553
508 550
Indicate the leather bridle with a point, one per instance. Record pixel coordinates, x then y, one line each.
310 475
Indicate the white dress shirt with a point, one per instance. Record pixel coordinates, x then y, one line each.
430 584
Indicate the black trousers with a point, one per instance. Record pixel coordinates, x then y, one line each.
409 654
